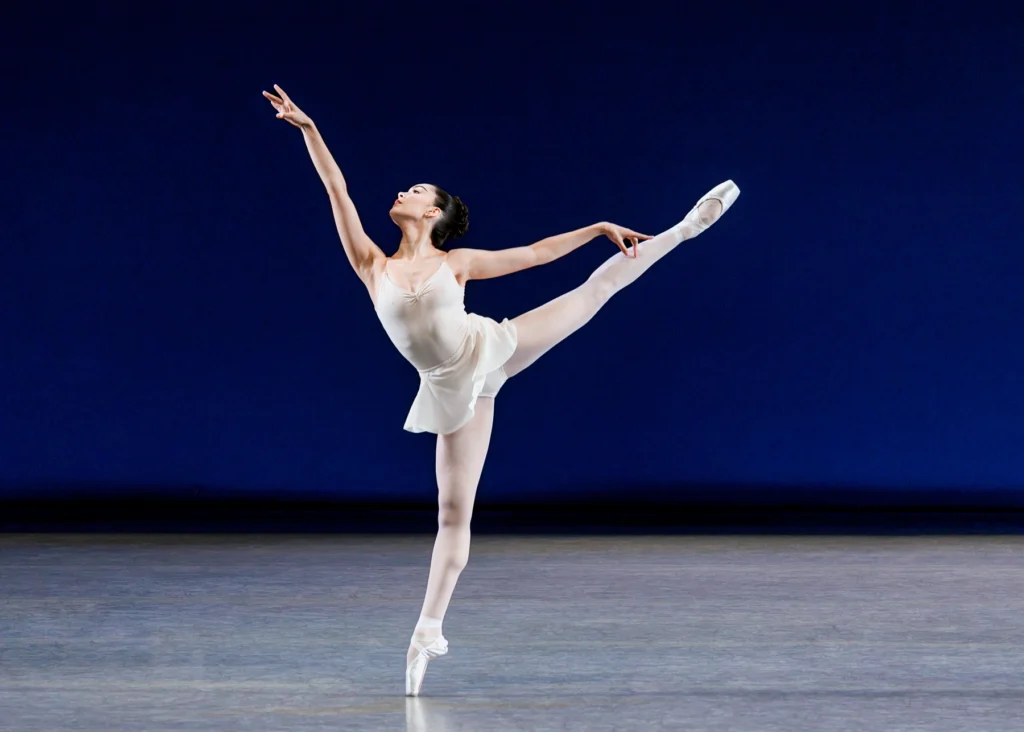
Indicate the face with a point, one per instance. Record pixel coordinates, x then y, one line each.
415 204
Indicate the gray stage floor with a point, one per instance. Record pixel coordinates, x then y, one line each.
282 633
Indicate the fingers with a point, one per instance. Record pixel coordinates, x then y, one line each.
629 237
273 98
280 91
635 238
629 233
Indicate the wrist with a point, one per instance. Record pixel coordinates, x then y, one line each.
599 229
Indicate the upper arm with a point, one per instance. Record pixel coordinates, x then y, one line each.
482 264
362 253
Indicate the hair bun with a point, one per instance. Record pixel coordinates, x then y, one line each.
460 218
454 220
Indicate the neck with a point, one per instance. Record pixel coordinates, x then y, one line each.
415 240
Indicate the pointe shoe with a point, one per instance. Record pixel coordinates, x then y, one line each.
417 668
725 193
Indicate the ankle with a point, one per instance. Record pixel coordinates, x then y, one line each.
427 628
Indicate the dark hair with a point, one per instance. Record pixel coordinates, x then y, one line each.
454 218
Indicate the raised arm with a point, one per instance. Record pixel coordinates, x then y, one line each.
362 253
482 264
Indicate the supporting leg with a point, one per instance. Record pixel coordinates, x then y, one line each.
460 462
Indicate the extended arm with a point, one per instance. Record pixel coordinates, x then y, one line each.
362 253
481 264
360 250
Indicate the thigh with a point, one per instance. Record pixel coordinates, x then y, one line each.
461 456
548 325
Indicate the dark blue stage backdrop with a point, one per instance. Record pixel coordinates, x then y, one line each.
176 311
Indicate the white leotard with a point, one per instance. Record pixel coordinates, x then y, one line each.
427 326
459 355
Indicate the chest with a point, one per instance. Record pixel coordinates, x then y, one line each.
425 292
412 276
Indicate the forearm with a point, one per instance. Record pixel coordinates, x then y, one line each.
323 161
554 247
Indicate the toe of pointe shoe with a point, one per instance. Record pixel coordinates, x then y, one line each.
726 192
417 668
414 676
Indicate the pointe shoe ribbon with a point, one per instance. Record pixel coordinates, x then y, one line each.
433 649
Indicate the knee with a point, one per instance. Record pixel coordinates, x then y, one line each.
453 514
599 288
453 522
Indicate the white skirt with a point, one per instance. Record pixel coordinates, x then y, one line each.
447 396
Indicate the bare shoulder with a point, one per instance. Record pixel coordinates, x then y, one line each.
460 260
373 275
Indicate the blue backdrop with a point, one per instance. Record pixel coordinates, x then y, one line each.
176 310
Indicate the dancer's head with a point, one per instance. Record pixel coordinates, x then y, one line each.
445 215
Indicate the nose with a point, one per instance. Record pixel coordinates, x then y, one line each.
401 196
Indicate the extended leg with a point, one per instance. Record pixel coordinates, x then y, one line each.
544 327
460 461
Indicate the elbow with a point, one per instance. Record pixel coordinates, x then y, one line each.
336 188
539 255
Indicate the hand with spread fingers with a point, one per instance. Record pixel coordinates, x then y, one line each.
287 109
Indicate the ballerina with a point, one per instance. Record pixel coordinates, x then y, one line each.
463 359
